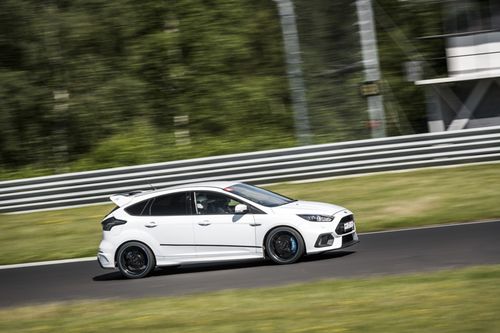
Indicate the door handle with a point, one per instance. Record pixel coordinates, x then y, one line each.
151 224
204 223
255 224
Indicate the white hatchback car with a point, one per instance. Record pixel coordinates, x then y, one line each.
216 221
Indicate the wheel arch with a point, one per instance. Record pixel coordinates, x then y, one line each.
130 241
264 239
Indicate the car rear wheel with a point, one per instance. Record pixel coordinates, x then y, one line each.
284 245
135 260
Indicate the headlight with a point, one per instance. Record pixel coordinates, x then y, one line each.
317 218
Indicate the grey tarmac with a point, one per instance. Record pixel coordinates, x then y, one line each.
396 252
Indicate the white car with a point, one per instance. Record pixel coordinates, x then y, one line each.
217 221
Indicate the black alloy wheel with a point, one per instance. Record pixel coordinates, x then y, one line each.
284 245
135 260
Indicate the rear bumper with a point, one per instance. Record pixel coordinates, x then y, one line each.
105 260
106 254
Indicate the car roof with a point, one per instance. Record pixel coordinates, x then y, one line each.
217 184
212 184
127 199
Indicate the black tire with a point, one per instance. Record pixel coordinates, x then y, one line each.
284 245
135 260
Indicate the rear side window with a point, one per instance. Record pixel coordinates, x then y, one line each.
137 209
171 204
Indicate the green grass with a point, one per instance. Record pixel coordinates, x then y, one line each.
397 200
68 233
465 300
384 201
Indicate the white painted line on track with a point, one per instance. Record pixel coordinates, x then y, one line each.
67 261
47 263
434 226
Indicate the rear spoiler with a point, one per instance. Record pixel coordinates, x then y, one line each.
121 199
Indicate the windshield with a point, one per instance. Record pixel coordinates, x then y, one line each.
259 195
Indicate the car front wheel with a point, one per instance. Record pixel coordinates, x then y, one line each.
135 260
284 245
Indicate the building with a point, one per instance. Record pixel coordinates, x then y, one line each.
469 96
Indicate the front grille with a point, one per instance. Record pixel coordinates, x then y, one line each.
340 230
347 218
347 239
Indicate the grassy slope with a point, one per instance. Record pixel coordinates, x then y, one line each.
451 301
68 233
431 196
379 202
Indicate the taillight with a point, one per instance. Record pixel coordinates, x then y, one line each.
110 222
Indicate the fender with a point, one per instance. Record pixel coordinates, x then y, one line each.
139 236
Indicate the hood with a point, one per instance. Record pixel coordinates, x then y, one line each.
309 207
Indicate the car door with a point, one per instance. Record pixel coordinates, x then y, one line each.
170 221
218 231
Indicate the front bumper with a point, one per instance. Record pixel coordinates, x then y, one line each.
335 236
349 240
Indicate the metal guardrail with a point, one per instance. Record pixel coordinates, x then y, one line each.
310 162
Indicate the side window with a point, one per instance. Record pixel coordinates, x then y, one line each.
211 203
171 204
138 208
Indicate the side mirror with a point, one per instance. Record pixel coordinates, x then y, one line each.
241 209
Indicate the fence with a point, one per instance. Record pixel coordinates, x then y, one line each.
301 163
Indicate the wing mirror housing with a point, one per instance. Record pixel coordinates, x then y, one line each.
241 209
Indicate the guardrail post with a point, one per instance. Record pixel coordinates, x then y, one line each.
293 62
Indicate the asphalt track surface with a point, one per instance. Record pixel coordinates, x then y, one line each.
405 251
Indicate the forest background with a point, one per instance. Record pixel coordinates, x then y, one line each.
89 84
